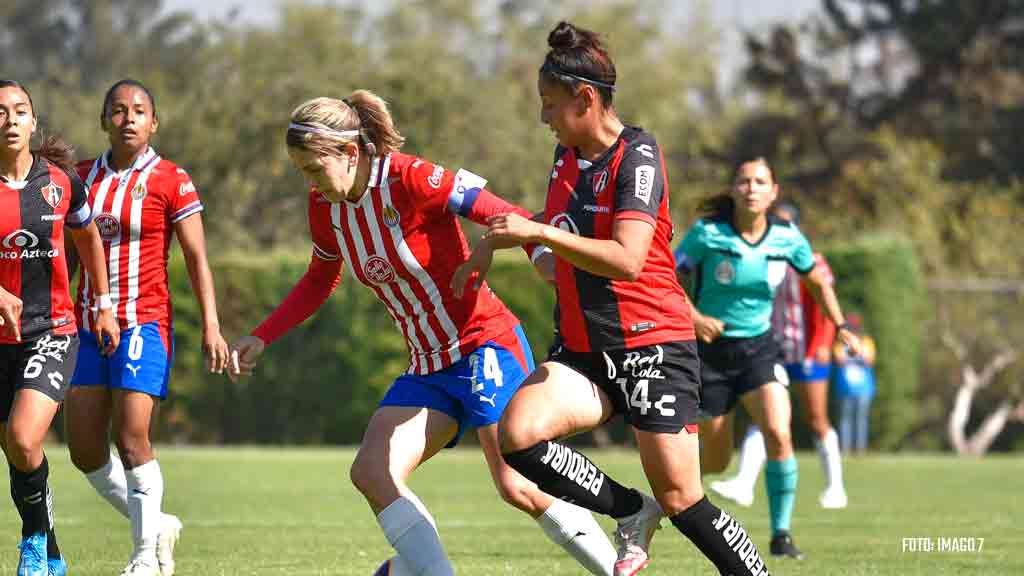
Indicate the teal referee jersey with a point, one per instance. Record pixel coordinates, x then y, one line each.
736 280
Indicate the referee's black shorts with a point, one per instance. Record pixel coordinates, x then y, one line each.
731 367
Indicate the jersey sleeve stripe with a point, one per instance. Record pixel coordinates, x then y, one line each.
187 211
635 215
325 255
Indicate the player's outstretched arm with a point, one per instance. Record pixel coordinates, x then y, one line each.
193 246
825 296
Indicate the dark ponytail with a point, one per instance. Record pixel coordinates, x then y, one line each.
578 56
55 150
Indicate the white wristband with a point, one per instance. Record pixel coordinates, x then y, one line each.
103 302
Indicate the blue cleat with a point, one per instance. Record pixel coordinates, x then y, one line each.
56 567
33 555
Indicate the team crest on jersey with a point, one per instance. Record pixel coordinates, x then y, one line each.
186 188
108 226
565 222
378 270
139 192
725 272
52 194
600 181
391 216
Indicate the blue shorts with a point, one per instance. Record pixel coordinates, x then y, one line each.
808 371
475 390
142 361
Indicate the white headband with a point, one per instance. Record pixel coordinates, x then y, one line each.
323 131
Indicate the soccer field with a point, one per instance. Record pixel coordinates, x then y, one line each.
294 512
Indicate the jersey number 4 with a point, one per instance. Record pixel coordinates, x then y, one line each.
639 398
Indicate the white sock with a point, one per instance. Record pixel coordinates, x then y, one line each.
110 482
752 458
575 530
145 493
831 465
411 531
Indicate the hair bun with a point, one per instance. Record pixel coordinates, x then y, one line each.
565 36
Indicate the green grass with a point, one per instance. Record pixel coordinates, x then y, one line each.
294 512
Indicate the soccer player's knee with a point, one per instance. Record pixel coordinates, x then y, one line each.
20 447
712 462
777 438
517 434
368 474
134 448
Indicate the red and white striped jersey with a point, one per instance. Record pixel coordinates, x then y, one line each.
135 210
403 240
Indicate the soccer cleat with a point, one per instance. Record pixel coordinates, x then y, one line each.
141 567
633 537
833 499
33 555
734 491
170 531
782 545
56 566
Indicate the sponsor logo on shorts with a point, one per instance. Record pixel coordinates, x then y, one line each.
574 466
781 376
738 539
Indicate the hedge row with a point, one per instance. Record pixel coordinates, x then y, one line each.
321 382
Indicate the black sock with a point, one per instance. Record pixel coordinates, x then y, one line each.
52 550
721 539
565 473
30 497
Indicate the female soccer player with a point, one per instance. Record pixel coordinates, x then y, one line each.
393 219
140 200
627 341
39 195
806 335
739 256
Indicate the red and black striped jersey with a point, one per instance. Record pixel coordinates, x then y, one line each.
33 213
586 198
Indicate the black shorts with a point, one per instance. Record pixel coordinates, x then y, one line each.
731 367
656 388
45 364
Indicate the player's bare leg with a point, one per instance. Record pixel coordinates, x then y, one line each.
396 441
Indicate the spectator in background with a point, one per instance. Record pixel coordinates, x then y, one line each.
805 335
855 388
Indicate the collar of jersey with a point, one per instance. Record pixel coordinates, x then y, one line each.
140 163
39 167
379 166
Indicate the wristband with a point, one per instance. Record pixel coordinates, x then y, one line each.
103 302
844 326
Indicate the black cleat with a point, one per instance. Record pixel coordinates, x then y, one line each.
782 545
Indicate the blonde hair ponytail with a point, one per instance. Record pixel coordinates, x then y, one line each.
324 125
